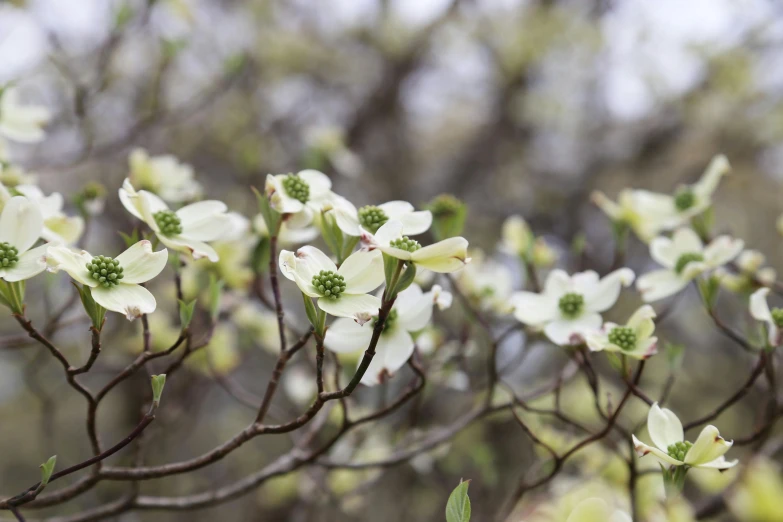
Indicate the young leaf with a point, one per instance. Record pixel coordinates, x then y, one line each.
131 239
186 313
158 382
47 468
458 506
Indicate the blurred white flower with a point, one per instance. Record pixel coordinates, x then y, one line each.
570 307
444 256
371 217
302 196
635 339
186 230
286 235
342 292
487 282
773 319
18 122
115 283
58 227
684 257
671 448
21 224
163 175
411 312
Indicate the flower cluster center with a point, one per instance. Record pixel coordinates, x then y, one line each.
445 205
777 317
168 222
296 188
678 450
390 320
571 304
684 259
684 199
624 337
105 270
405 243
9 255
372 218
329 284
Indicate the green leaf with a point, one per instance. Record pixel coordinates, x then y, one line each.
458 506
271 216
312 313
94 311
260 257
158 382
333 236
389 268
131 239
186 313
47 468
448 216
123 15
406 278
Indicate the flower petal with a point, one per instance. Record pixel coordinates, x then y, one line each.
131 300
21 223
642 322
659 284
399 348
706 186
415 223
590 510
198 249
564 332
664 252
63 258
414 308
643 450
557 283
388 232
720 463
664 427
602 296
534 309
205 221
318 182
363 272
444 256
346 336
130 199
30 264
353 306
686 241
759 308
63 229
708 447
140 263
291 269
644 349
721 250
394 210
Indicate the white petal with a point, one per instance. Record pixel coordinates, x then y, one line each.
21 223
686 241
346 336
198 249
664 427
205 221
346 216
363 272
708 447
640 317
643 449
534 309
620 516
659 284
150 204
131 300
720 463
197 211
396 253
399 348
63 258
357 307
301 219
644 349
414 308
63 229
376 370
313 260
598 340
706 186
603 295
722 250
664 252
318 182
279 198
30 264
415 223
590 510
390 231
394 210
140 263
130 199
444 256
557 283
759 309
289 264
564 332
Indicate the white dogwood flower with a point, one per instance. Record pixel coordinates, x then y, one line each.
645 222
342 292
444 256
570 307
302 196
163 175
773 318
286 235
596 510
186 230
115 283
671 448
58 227
487 282
411 312
635 339
371 217
21 223
684 257
18 122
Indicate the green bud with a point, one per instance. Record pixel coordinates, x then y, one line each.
47 468
571 305
448 216
158 382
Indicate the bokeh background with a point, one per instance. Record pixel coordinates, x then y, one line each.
515 106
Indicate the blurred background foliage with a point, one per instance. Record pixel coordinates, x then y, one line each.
514 106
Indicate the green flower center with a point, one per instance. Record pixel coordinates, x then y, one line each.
445 205
105 270
168 222
405 243
678 450
390 320
372 218
777 317
684 199
624 337
571 304
684 259
329 284
296 188
9 255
